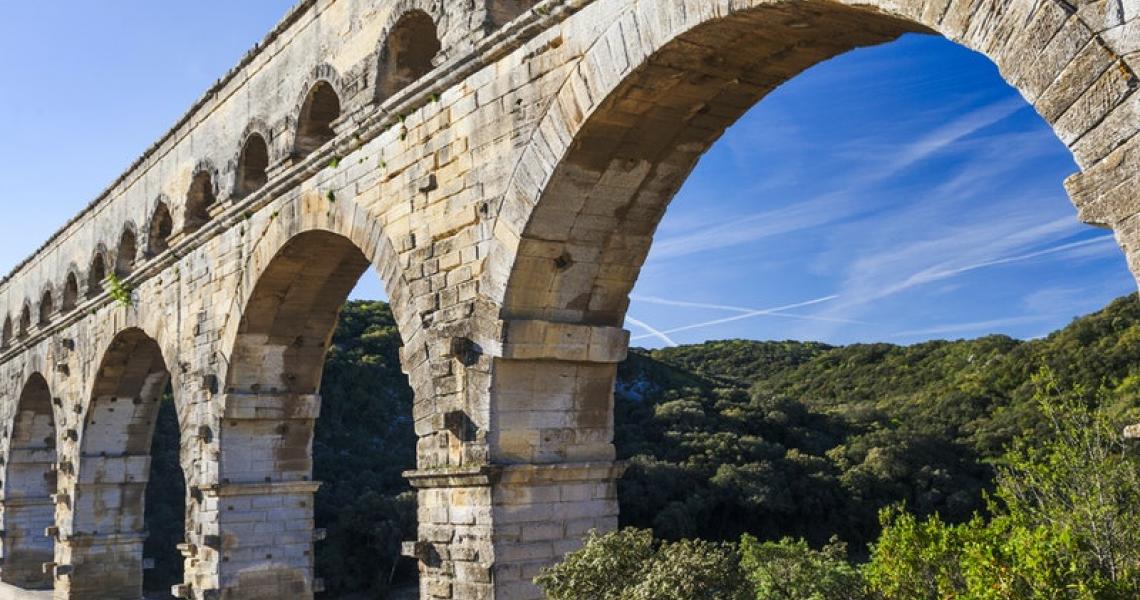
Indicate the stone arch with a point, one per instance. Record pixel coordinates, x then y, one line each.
25 319
47 307
69 299
201 198
694 76
312 214
318 111
409 52
29 483
127 253
501 12
658 86
97 272
160 229
300 275
253 161
6 340
104 541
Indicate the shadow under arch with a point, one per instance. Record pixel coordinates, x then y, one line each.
107 529
29 482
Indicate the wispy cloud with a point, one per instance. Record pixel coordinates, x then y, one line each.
775 311
739 309
653 331
947 135
828 209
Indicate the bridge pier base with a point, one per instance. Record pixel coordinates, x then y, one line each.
518 518
99 567
256 542
25 546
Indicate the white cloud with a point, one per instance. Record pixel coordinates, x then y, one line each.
653 331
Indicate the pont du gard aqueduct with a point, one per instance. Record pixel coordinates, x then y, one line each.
501 165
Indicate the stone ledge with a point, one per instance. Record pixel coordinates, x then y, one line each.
25 502
541 474
262 489
547 340
562 472
453 477
104 539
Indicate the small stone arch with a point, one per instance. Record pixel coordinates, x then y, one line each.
69 298
6 340
252 163
126 256
161 227
409 51
200 198
318 111
47 306
29 482
97 272
25 319
501 12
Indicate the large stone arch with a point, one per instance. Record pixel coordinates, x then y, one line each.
308 258
29 482
655 87
666 79
103 491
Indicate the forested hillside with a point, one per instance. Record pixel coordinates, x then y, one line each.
770 438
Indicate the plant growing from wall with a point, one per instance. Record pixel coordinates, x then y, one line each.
119 291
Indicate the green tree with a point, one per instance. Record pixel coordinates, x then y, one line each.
791 570
1064 526
629 565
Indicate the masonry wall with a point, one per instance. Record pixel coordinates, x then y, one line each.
507 200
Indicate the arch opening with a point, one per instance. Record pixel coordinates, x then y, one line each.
25 320
127 254
285 344
252 166
598 208
47 308
115 467
96 275
408 53
29 482
648 134
70 298
314 127
7 337
160 230
501 12
199 200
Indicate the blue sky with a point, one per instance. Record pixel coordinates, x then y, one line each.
897 193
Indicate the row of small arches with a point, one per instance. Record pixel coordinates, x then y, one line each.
408 55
